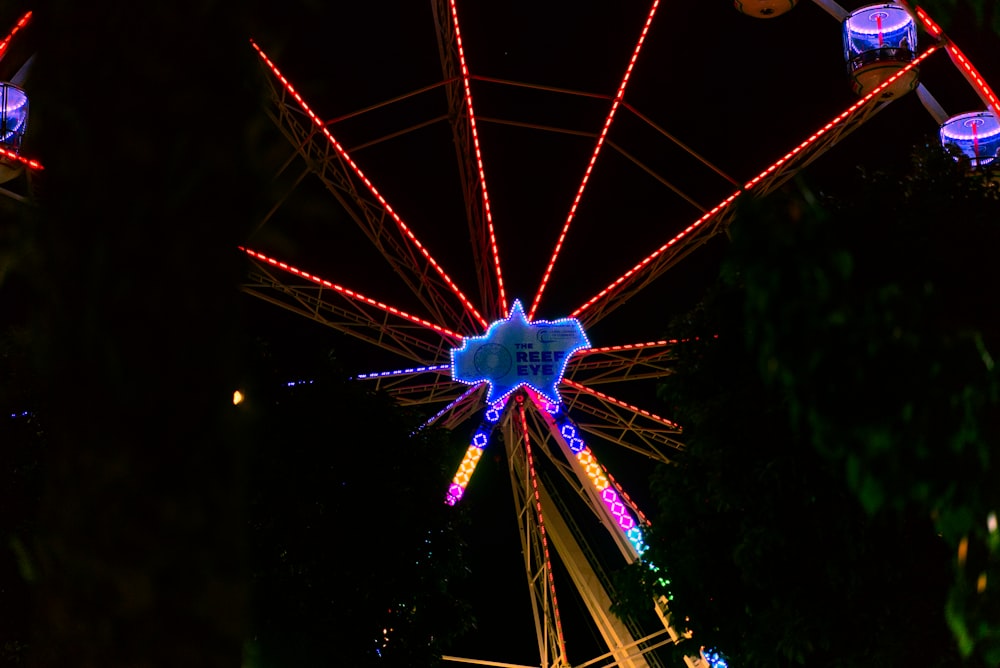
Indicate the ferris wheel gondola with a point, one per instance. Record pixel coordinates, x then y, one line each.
14 117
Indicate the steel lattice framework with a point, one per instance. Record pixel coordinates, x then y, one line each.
542 431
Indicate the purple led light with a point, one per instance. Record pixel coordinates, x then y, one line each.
402 372
976 134
866 20
455 493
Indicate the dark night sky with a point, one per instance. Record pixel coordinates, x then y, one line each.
739 91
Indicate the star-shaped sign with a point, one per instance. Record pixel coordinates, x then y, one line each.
514 353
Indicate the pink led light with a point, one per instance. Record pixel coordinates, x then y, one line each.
17 26
479 156
350 293
10 155
963 64
593 159
837 120
620 403
541 531
403 227
631 504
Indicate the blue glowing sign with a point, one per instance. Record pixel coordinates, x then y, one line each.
514 353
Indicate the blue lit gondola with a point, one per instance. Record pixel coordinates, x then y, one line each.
14 119
976 134
878 41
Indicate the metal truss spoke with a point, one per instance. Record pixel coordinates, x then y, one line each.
356 194
465 137
718 218
427 393
622 425
461 409
356 319
615 104
603 365
533 544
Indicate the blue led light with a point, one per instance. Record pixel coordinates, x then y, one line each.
495 410
13 116
714 658
480 440
975 134
515 353
879 33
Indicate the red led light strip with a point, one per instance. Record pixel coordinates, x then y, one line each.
403 227
837 120
10 155
620 403
350 293
541 531
963 64
593 159
479 156
17 26
628 346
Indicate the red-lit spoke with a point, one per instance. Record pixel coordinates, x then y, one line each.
621 404
635 271
963 64
17 26
523 422
840 118
467 88
593 159
409 371
622 363
14 157
403 227
357 296
628 346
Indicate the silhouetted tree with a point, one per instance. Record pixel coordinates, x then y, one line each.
837 503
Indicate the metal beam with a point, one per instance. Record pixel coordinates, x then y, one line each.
329 166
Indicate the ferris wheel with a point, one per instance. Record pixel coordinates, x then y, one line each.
517 349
